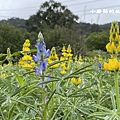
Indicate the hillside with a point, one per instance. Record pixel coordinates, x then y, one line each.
82 27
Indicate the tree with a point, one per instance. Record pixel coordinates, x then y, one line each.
51 14
16 22
10 37
60 36
32 36
96 41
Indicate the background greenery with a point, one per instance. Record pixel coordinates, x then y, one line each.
58 25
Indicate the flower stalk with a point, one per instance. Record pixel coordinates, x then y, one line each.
117 89
114 64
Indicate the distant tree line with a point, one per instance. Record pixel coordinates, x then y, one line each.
59 27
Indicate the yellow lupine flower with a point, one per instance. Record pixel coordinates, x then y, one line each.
26 61
27 40
113 64
32 63
73 80
29 57
111 56
63 49
64 54
54 66
49 61
53 57
110 31
69 50
62 64
75 58
26 58
100 59
80 57
63 72
87 68
26 43
111 38
107 66
69 55
76 81
66 67
27 66
118 47
110 47
4 75
25 48
62 58
117 36
70 59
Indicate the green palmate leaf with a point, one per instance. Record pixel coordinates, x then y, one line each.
102 108
1 62
71 76
76 75
74 94
112 117
104 99
56 62
104 112
24 103
2 115
16 53
59 89
82 71
20 79
77 71
100 114
113 100
58 86
33 50
1 55
20 52
53 117
117 117
16 116
47 81
51 77
67 115
79 115
51 97
84 110
16 91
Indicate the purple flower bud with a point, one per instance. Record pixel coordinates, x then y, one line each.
37 71
47 54
99 65
43 65
37 57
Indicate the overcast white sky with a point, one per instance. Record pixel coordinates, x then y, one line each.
90 11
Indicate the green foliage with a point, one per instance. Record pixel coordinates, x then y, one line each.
20 79
96 41
51 14
32 37
10 37
16 22
60 36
